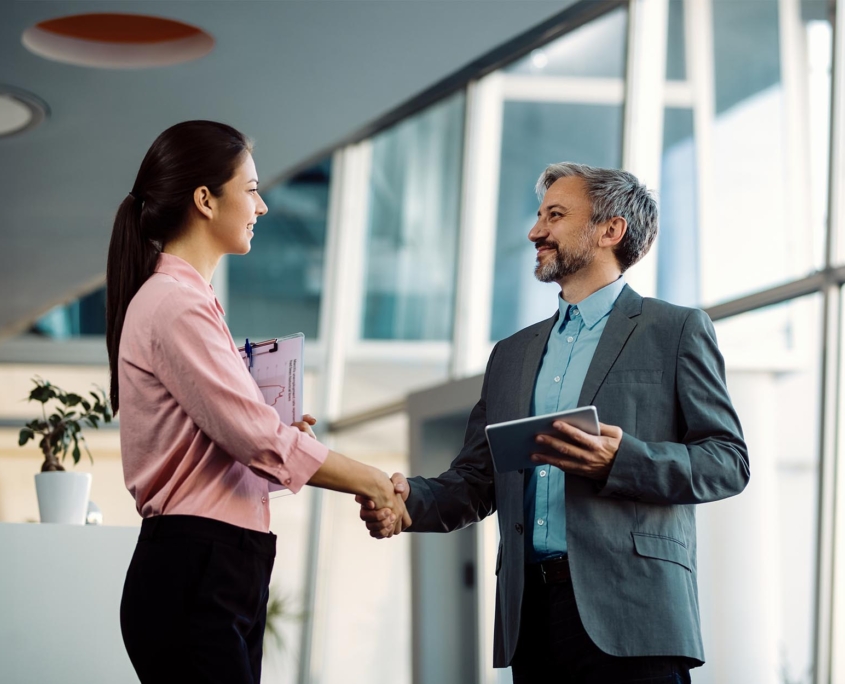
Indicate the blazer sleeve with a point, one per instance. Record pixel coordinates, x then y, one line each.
465 493
711 461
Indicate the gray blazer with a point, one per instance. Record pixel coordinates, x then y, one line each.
657 373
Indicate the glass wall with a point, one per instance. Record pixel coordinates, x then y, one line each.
277 288
412 229
761 162
757 551
82 317
563 102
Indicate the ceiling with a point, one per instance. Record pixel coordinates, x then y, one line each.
298 76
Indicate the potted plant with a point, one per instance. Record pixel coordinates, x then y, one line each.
63 496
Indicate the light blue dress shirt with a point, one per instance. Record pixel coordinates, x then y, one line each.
569 351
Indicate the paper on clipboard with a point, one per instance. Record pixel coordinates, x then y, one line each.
276 367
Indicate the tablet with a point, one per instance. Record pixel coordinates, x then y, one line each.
513 442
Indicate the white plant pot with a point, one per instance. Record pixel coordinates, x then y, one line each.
63 497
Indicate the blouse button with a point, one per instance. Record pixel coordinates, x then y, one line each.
288 481
263 499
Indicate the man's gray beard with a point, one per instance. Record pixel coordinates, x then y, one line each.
564 264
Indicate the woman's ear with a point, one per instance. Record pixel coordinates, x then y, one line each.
204 201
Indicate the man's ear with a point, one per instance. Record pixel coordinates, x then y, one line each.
204 201
612 232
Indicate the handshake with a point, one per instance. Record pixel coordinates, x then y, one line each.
384 522
382 499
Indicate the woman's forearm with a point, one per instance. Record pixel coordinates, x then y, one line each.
347 475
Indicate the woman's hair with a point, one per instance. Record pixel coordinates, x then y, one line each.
185 157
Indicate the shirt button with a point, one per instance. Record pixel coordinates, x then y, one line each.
542 473
557 378
263 499
541 522
570 339
288 481
575 312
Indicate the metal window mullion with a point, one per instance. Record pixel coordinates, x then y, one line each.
339 325
477 238
830 598
830 389
698 36
642 137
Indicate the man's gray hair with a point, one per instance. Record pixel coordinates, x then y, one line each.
613 193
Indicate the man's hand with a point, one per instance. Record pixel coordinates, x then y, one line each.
582 453
381 523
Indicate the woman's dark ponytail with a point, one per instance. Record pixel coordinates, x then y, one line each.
132 259
185 157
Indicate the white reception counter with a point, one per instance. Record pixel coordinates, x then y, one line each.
60 588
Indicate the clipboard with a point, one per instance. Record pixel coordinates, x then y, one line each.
276 367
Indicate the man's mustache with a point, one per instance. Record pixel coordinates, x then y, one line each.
545 243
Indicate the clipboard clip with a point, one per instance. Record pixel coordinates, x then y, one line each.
250 349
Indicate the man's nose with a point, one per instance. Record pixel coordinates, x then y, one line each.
537 232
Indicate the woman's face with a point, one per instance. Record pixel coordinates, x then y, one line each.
237 209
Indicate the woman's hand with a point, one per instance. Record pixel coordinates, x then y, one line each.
305 424
391 505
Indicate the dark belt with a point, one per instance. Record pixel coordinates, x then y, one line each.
552 571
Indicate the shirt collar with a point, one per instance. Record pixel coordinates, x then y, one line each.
597 305
182 271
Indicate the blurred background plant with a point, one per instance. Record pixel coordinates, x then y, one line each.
281 609
64 425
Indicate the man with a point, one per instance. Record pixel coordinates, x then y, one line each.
597 560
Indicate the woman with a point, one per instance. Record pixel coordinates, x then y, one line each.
199 445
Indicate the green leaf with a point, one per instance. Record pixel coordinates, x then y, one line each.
37 425
76 453
85 404
72 399
42 394
26 435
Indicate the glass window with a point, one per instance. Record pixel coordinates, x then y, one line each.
82 317
277 288
764 220
678 246
595 50
676 62
757 551
412 234
537 133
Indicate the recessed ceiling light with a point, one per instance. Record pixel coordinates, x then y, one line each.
117 41
19 111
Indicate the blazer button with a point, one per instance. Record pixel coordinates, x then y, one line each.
520 471
518 528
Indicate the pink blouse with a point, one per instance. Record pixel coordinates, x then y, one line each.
195 434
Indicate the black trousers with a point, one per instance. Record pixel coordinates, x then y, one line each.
554 647
194 602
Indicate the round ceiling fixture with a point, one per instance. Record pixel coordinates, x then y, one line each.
117 41
19 111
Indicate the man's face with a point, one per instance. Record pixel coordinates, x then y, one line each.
563 234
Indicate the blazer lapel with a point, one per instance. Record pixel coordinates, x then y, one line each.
620 325
531 364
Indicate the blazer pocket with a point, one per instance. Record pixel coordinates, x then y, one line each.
646 377
662 548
